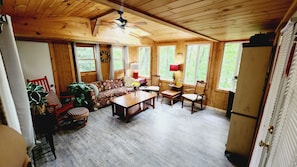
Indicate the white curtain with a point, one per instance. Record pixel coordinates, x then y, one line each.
126 60
111 71
16 82
76 62
98 62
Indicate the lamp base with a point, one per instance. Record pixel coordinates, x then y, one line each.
135 75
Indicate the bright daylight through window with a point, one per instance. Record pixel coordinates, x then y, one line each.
144 58
86 59
166 57
196 63
230 65
118 60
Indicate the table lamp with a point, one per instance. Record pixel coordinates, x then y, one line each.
174 67
134 67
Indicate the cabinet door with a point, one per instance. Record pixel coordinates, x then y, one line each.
251 79
241 134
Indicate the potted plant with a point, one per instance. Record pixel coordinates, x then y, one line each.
37 98
81 93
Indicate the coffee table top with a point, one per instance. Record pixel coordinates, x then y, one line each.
130 99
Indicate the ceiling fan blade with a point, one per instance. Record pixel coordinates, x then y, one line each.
139 23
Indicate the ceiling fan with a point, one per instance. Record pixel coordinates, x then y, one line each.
123 23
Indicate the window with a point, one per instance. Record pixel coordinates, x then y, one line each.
86 58
196 63
144 59
230 65
118 63
166 57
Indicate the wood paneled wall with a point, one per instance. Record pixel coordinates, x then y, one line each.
64 71
215 98
105 66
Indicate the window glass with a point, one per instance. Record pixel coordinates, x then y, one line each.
118 63
166 57
230 65
86 58
144 58
196 63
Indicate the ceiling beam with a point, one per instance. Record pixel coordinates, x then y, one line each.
132 10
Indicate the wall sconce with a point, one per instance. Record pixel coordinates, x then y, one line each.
134 67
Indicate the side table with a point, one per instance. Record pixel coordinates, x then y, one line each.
170 94
175 87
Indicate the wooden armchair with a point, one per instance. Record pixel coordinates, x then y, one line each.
197 95
153 85
54 103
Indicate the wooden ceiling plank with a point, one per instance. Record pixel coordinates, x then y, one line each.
9 7
20 6
46 8
32 8
155 19
223 8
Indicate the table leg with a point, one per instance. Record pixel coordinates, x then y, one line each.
113 108
153 102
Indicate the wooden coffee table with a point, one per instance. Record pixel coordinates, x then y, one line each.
170 94
131 104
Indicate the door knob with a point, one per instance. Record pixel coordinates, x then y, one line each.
263 144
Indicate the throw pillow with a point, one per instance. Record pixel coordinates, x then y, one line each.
128 81
52 98
95 88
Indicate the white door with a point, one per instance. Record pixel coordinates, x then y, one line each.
276 110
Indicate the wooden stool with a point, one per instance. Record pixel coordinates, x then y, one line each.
79 114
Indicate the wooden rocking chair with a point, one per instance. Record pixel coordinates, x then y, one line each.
54 104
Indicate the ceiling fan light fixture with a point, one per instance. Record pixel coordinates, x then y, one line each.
121 22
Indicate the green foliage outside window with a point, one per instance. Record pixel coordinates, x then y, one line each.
196 63
86 60
144 61
230 65
166 57
117 53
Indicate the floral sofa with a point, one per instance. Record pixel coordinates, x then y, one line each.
103 91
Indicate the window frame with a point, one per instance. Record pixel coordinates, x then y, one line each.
94 57
237 66
196 64
122 59
139 62
169 73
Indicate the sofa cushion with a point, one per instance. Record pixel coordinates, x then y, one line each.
95 88
128 81
112 84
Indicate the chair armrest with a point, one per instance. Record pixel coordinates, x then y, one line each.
66 99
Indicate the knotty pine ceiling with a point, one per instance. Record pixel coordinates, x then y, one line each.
217 20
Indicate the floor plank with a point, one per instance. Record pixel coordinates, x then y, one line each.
164 136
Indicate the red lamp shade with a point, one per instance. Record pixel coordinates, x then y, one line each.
174 67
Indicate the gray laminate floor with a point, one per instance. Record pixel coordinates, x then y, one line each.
165 136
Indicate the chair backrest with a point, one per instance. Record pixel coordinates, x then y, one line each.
155 80
200 87
41 81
